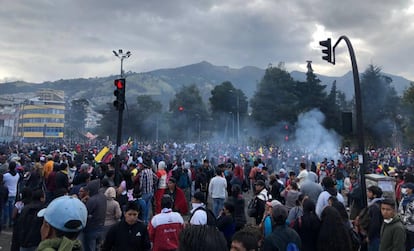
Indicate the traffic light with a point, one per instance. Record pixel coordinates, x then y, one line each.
327 50
119 93
181 108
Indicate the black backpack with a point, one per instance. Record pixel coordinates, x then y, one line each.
211 219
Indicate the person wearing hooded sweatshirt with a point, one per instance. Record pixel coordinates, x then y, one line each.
374 195
406 211
330 190
96 206
392 230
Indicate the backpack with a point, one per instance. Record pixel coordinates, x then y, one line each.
252 208
211 219
259 176
184 181
292 247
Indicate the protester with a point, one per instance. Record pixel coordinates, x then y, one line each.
113 210
28 224
308 226
238 201
10 179
333 234
262 196
247 239
63 219
177 195
218 191
330 190
393 235
165 227
406 212
96 206
129 234
226 223
282 235
201 238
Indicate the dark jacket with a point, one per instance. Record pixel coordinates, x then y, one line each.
375 216
29 225
96 206
125 237
281 236
239 211
62 180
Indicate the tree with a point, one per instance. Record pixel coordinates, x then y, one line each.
379 105
275 99
76 118
332 109
311 94
226 103
189 113
406 119
147 116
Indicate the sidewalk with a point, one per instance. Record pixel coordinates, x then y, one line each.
5 239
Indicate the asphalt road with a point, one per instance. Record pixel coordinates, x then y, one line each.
5 239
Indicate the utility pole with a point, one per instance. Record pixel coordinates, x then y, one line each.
330 57
119 104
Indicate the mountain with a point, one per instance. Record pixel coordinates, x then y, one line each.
162 84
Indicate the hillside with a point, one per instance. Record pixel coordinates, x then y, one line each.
162 84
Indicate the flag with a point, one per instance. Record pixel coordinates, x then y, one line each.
101 154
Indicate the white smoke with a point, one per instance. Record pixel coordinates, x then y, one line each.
314 138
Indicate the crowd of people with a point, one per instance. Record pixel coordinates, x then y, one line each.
202 197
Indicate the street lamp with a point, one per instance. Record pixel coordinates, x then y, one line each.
330 57
121 55
237 114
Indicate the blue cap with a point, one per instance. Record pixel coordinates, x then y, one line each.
65 213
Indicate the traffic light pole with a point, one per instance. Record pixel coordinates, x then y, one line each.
117 177
358 103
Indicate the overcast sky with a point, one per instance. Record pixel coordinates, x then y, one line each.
46 40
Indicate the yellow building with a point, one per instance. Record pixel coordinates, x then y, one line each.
43 117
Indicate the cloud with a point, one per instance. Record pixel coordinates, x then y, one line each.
172 33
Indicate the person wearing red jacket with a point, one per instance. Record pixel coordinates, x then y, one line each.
164 228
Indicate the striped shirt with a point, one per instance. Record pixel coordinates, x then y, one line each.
147 181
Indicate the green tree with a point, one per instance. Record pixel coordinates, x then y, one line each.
227 103
332 109
145 120
107 125
406 119
379 105
189 114
311 94
275 99
76 118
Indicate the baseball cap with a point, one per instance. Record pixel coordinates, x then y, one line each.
408 185
65 213
273 203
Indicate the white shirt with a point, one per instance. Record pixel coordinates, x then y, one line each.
200 216
323 202
218 187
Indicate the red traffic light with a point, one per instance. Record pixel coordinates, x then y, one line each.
181 108
119 83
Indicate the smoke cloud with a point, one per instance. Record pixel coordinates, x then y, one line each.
317 141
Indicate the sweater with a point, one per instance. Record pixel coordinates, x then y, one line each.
392 235
125 237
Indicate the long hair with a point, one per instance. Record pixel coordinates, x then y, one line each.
201 238
333 234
